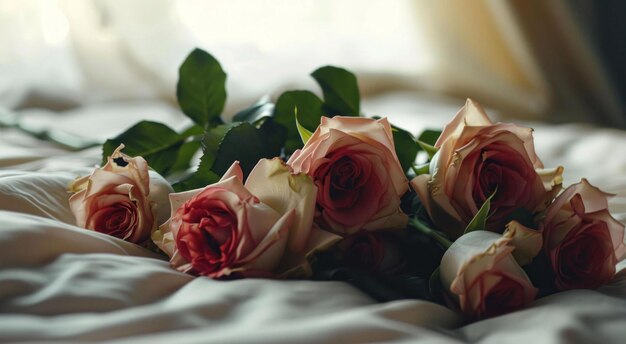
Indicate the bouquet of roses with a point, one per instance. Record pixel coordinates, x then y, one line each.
308 188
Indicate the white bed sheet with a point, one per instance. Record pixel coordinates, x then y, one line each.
62 283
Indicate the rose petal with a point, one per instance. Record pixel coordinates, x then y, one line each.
274 184
474 264
552 181
271 249
527 242
233 171
372 201
472 114
136 168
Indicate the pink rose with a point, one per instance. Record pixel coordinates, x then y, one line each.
480 274
583 241
360 181
115 199
373 251
228 229
476 158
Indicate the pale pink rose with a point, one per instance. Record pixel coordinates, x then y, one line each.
360 181
116 199
583 241
480 274
477 157
260 229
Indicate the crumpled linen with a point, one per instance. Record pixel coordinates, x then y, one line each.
62 283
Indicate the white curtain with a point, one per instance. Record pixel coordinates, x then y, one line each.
527 59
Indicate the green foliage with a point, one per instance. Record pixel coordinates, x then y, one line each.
201 178
155 142
267 130
305 134
425 142
309 116
340 89
230 148
429 136
421 169
262 130
480 219
201 88
224 144
429 149
274 136
184 155
263 108
406 149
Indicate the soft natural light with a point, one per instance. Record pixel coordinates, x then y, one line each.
336 30
54 24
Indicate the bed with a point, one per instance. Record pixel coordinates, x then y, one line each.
62 283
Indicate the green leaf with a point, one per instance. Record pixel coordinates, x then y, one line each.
193 130
262 108
341 92
237 141
429 149
184 155
480 219
231 149
274 135
201 88
429 136
196 181
421 169
201 178
212 141
155 142
406 149
309 116
305 135
193 139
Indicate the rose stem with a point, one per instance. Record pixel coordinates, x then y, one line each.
414 223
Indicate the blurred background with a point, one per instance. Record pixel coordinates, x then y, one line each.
549 61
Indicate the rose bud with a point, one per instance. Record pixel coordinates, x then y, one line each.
260 229
527 242
476 159
119 199
581 238
482 277
360 181
377 252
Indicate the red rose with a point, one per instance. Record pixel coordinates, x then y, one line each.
581 238
477 158
360 181
228 229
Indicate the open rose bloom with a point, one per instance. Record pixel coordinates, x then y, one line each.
481 275
476 159
117 199
263 228
359 179
581 238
